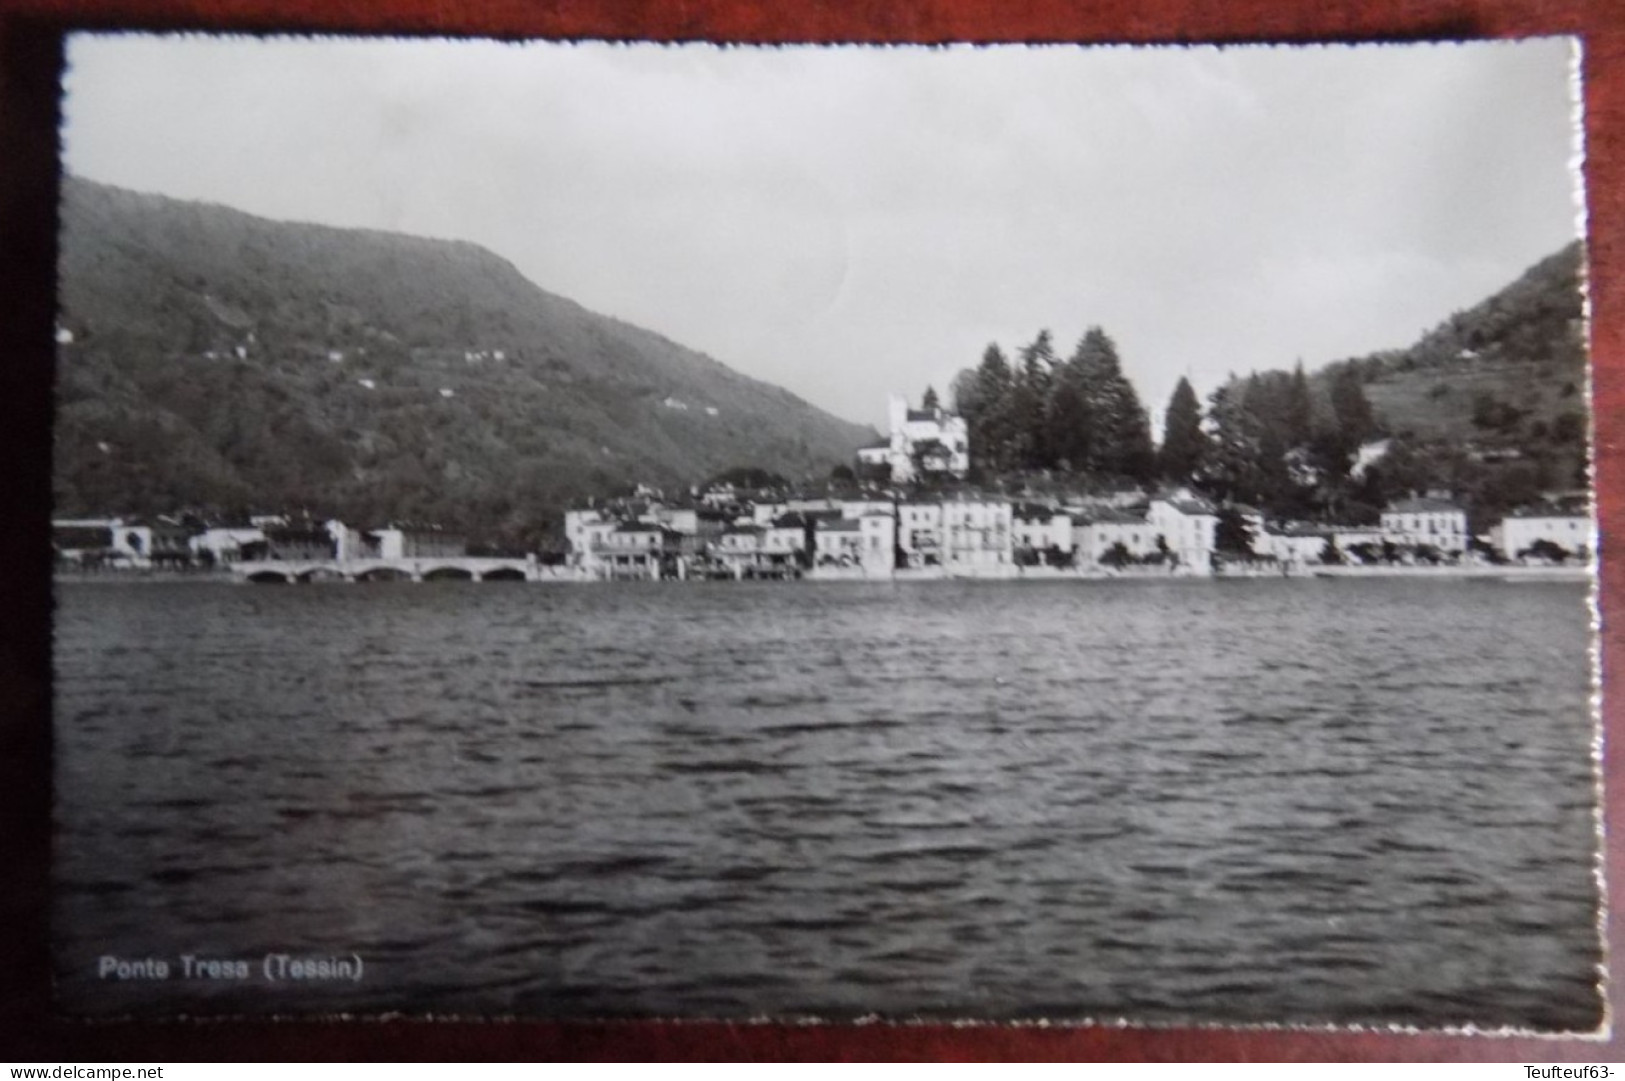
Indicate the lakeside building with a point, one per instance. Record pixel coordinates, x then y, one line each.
1252 519
1040 531
297 541
775 550
879 532
1434 519
396 542
1176 526
640 550
838 542
1352 536
764 513
1098 531
923 442
90 541
225 544
919 534
1186 527
1295 544
976 535
138 543
143 544
1522 530
586 531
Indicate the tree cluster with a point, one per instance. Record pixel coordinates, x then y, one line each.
1267 440
1079 415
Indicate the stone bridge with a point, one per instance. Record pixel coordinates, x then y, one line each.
425 569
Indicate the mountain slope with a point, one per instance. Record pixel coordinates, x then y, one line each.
222 361
1505 373
1490 404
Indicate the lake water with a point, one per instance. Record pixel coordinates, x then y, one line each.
1318 801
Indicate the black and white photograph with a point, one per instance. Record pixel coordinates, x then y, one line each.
588 530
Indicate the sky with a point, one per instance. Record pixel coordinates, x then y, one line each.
858 221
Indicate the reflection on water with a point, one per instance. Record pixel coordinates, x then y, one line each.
1345 801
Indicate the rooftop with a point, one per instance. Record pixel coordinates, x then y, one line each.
1106 516
1548 512
1422 505
1190 505
1033 512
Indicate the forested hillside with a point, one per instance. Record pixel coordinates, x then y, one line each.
223 362
1490 404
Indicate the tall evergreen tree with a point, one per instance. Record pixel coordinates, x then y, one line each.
1265 401
1069 425
1231 467
1120 431
987 411
1356 422
1300 414
930 401
1183 444
964 393
1034 386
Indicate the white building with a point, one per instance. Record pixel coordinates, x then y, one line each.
1096 531
1293 544
786 536
684 520
1348 537
587 531
839 542
924 441
878 531
120 541
634 550
1040 530
396 542
752 551
766 513
1187 527
919 533
1519 531
1180 527
225 543
858 508
1432 520
976 535
347 543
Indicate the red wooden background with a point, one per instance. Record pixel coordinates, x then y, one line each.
29 66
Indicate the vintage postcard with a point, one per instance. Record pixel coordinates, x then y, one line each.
585 530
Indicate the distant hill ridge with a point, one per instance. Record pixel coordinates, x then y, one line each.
225 362
1491 404
1523 348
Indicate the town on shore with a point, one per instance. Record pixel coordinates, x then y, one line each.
922 519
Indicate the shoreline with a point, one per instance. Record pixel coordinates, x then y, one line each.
114 577
1509 573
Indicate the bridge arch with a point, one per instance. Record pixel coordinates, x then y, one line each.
384 574
448 574
504 574
276 578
